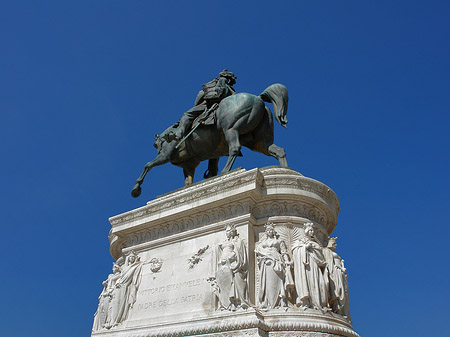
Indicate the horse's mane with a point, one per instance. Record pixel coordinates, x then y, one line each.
163 135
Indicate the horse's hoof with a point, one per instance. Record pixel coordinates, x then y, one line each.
209 174
136 191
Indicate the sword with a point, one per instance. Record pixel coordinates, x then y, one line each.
199 121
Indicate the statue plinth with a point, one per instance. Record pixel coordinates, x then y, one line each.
186 262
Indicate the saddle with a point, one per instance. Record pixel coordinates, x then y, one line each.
208 117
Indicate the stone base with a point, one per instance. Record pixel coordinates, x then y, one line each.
168 290
247 323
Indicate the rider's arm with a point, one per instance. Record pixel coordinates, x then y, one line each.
199 98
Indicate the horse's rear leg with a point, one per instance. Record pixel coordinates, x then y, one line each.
234 148
213 168
279 153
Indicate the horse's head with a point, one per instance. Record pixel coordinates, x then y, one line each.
167 136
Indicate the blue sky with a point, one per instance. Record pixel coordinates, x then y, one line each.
85 85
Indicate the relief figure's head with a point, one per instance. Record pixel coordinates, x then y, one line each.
270 230
309 229
132 258
230 231
332 243
116 268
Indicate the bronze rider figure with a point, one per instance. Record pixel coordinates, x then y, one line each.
212 92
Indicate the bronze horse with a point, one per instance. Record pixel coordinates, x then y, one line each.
241 119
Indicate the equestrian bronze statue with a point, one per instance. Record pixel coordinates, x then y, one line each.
221 127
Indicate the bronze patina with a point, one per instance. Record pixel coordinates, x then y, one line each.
221 122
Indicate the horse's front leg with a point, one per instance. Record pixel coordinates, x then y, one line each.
188 175
162 158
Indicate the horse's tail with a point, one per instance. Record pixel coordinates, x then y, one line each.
277 94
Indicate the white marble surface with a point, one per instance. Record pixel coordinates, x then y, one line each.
180 236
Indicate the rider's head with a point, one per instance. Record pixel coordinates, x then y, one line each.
229 76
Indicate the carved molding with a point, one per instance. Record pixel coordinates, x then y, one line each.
305 184
309 326
266 209
160 226
300 334
206 188
232 327
241 333
198 220
293 208
265 177
287 177
112 237
224 327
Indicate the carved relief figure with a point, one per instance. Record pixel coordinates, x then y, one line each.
125 290
311 274
232 270
274 270
289 283
102 310
104 299
339 296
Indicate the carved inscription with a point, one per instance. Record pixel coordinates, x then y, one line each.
171 287
196 298
181 293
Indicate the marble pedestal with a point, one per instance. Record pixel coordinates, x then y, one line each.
170 287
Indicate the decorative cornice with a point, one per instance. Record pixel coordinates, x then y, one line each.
197 220
191 194
224 197
281 177
262 178
292 208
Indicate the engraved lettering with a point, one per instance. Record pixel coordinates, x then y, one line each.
172 287
191 298
147 305
166 302
195 298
